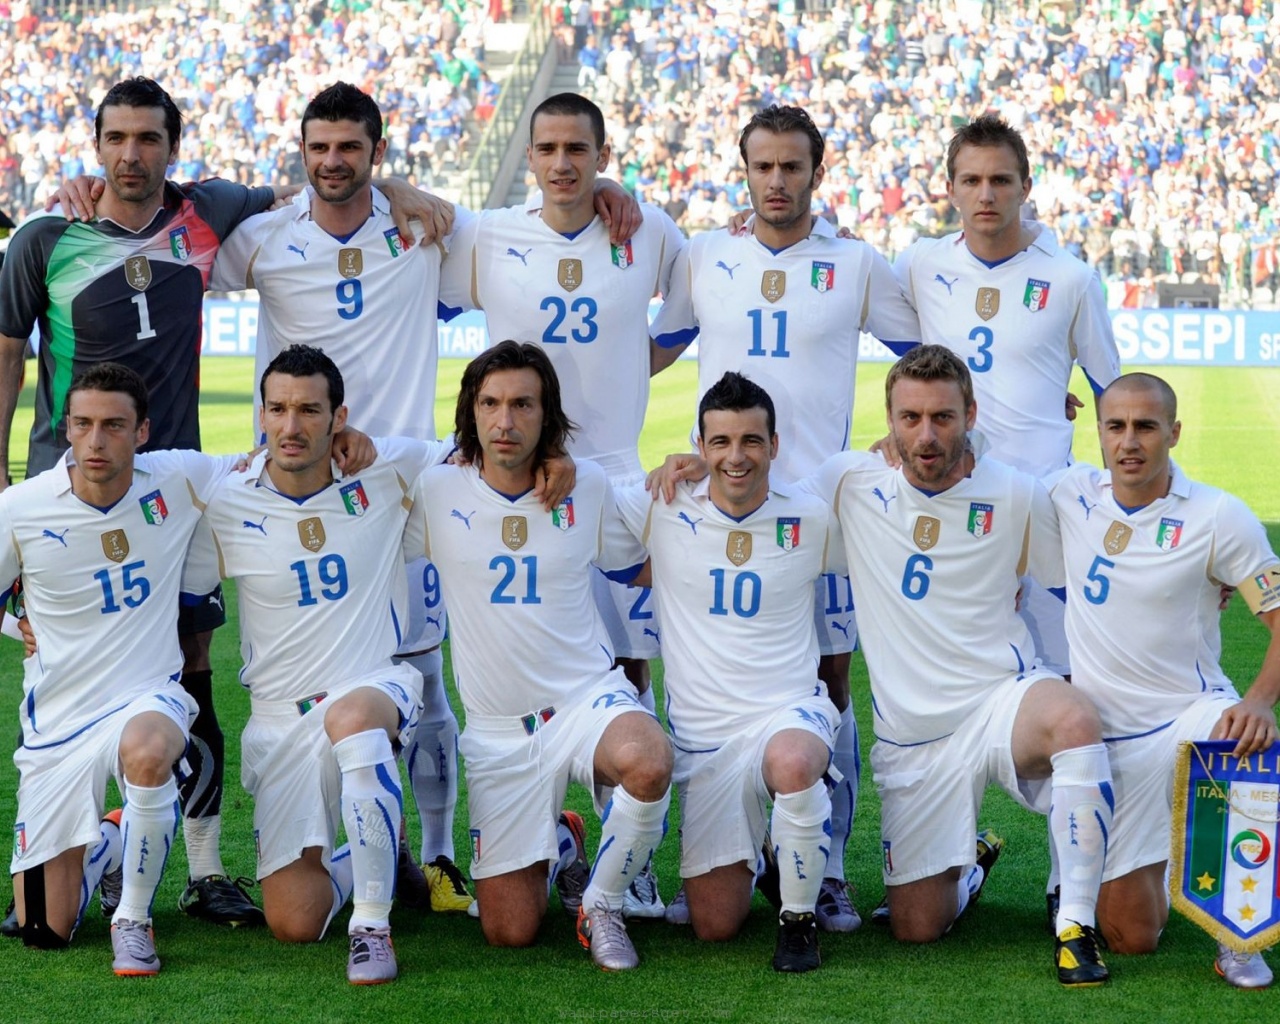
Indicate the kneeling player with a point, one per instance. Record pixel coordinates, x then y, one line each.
734 563
544 705
318 567
99 541
1146 548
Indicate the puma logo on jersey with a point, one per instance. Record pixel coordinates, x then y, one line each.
521 256
89 265
651 632
728 269
61 538
301 252
943 281
215 598
842 626
693 523
1086 506
433 620
466 519
883 500
260 527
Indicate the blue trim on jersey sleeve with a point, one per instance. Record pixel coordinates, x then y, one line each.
446 313
1138 735
1059 592
624 576
899 348
674 339
1097 388
395 621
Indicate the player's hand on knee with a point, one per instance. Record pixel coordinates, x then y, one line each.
682 466
78 197
1251 723
554 481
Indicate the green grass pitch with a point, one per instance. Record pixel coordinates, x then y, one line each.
995 966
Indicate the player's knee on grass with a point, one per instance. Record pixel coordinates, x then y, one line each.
719 902
298 899
149 745
512 906
47 898
922 911
1133 910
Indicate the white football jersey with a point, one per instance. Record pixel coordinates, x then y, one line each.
1142 592
320 581
526 633
369 303
1019 326
790 321
101 586
734 600
585 301
935 580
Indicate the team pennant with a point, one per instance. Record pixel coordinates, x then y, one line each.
1223 842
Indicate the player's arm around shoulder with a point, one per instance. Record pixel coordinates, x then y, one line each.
223 205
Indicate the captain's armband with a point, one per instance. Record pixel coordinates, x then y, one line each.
1261 591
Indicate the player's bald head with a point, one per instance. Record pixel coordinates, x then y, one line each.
1130 383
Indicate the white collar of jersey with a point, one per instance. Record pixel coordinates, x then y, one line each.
701 491
302 203
1179 483
822 228
160 212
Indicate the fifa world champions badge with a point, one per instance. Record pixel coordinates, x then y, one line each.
1223 842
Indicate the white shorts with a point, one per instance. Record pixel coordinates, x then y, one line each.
833 616
427 621
1046 620
1142 780
287 766
930 793
723 797
61 788
519 768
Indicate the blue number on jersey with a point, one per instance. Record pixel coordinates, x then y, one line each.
351 297
507 566
915 584
332 572
833 594
757 334
981 363
746 594
639 611
586 330
430 586
135 587
1099 586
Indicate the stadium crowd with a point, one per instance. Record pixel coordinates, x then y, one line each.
1152 125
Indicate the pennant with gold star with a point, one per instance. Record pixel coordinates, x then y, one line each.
1226 824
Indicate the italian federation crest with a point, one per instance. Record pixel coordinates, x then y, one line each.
622 255
788 533
154 510
180 244
395 242
1036 297
981 517
1225 830
354 498
562 514
823 276
1168 534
